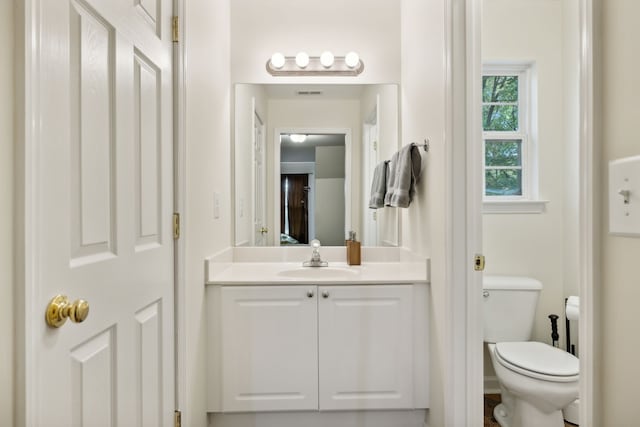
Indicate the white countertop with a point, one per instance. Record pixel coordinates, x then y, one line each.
290 273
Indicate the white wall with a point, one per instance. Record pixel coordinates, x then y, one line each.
243 152
369 27
6 212
208 170
422 100
320 114
534 244
618 370
388 144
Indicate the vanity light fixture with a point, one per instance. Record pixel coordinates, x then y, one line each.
324 65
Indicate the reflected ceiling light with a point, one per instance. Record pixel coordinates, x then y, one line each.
352 59
326 59
277 60
302 59
297 138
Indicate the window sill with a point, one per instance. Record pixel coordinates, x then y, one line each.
514 206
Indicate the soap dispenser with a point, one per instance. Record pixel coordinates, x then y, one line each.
353 249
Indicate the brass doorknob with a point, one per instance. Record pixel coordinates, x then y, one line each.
264 230
60 309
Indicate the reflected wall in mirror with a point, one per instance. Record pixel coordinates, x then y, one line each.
288 193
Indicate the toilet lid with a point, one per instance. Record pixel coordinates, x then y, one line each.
538 358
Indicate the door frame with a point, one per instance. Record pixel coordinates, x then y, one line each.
348 178
465 20
180 203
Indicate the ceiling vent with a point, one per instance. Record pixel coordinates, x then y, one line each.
309 92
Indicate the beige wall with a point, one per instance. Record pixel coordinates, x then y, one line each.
369 27
422 100
619 292
208 171
543 246
6 212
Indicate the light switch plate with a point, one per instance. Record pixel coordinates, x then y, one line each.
624 196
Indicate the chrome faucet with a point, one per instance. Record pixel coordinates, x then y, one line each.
315 260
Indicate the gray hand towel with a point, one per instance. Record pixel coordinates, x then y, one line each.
403 174
378 186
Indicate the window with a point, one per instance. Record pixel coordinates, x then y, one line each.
509 167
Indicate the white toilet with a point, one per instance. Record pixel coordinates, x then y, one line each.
536 380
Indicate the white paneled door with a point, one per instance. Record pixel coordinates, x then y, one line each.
100 180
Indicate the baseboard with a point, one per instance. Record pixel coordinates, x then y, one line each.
491 385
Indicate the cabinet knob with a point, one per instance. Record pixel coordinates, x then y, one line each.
325 294
310 293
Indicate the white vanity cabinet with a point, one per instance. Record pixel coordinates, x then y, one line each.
307 347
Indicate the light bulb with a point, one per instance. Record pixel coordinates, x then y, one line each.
352 59
277 60
326 59
302 59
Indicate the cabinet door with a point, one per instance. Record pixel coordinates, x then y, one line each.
366 353
269 348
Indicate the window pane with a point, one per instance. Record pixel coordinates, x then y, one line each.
503 182
499 88
500 117
503 152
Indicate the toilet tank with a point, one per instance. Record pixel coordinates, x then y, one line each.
509 307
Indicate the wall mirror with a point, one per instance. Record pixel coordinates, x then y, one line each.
304 157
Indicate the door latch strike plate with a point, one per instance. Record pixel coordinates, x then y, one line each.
478 264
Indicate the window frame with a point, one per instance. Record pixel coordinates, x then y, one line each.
528 201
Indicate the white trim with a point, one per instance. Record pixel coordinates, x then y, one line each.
275 226
475 194
28 134
463 376
180 191
589 227
518 206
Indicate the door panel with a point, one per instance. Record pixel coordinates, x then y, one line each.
102 201
269 348
93 379
91 69
372 324
148 168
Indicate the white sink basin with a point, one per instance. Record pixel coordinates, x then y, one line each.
318 273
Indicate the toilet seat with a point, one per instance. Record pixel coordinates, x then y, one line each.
538 360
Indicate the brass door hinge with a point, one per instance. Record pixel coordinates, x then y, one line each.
177 418
176 225
175 29
478 263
